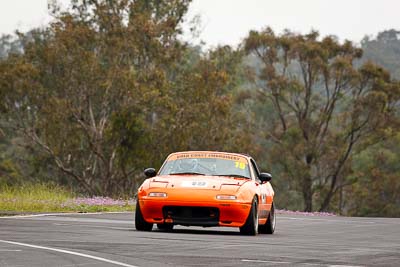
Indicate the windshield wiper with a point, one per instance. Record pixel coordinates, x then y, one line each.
179 173
233 175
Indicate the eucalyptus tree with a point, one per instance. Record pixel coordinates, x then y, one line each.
325 108
74 81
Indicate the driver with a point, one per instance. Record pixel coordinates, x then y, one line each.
188 165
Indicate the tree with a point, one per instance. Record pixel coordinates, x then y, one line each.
384 49
203 112
325 108
108 89
67 92
9 44
377 172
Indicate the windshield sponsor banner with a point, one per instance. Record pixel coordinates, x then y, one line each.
197 155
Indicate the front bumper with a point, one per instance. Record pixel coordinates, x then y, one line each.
195 213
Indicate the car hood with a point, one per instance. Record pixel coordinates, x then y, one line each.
196 182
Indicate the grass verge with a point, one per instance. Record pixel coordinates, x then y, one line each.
51 198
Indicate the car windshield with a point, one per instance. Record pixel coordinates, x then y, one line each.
206 164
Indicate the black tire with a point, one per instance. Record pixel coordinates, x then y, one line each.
251 225
140 223
269 226
165 226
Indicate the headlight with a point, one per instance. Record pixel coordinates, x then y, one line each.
157 194
226 197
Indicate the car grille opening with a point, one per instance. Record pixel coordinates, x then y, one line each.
196 216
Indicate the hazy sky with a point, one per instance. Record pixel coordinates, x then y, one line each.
228 21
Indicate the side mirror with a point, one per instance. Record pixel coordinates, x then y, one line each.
265 177
150 172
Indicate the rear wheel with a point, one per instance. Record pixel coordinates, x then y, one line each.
165 226
140 223
269 226
251 225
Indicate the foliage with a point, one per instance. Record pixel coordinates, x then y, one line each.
203 114
109 88
68 89
9 45
377 172
384 49
326 109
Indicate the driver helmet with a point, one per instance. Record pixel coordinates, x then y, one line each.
188 164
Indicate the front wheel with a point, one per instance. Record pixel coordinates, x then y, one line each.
140 223
251 225
269 226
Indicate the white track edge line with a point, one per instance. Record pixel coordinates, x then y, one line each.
62 214
265 261
69 252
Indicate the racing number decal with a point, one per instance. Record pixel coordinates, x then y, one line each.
194 183
240 165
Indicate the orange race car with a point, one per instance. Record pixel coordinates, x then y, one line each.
204 188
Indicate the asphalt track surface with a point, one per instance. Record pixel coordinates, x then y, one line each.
111 240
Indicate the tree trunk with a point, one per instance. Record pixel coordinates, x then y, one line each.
307 183
327 201
328 198
341 201
307 193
